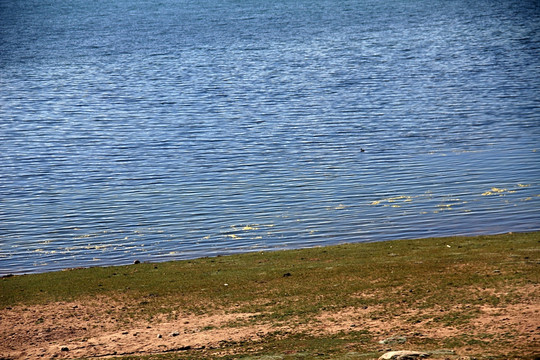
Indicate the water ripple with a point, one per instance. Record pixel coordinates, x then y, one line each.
198 129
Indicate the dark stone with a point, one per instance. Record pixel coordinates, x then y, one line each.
64 348
287 274
137 262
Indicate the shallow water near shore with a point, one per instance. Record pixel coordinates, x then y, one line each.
172 130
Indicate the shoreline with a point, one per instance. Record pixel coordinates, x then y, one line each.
454 297
136 260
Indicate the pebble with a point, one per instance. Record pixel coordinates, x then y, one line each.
394 340
175 333
443 352
159 336
404 355
64 348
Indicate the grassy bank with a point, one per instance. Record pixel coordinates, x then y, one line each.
444 295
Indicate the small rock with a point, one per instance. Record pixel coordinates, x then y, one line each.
443 352
159 336
404 355
64 348
137 262
287 274
175 333
394 340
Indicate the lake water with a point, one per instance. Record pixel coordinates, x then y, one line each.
173 129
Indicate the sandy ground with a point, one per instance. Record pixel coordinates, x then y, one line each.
94 329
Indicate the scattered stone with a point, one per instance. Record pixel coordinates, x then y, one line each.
394 340
404 355
125 332
287 274
137 262
159 336
64 348
175 333
443 352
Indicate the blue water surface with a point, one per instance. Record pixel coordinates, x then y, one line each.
174 129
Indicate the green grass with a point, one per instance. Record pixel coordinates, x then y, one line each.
425 274
338 271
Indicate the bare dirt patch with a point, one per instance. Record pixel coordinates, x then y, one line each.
94 329
72 330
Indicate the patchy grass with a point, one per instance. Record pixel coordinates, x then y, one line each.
404 286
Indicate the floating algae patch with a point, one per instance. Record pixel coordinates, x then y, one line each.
430 203
451 203
403 198
504 191
494 191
